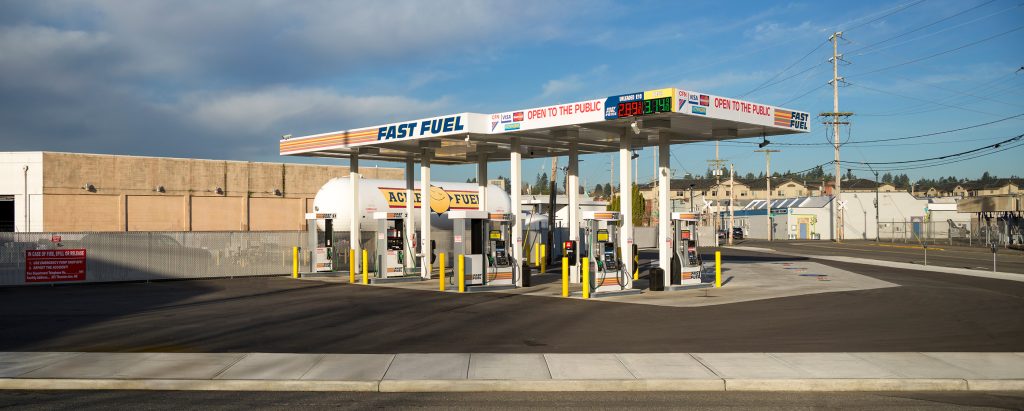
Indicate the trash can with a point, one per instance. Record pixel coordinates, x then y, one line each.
657 278
676 277
526 274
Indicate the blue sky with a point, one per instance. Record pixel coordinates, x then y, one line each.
225 79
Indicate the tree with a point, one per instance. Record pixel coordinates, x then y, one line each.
598 191
607 189
849 174
986 177
749 176
887 178
542 185
471 180
638 206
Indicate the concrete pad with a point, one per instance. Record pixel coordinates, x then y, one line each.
986 365
350 367
508 367
833 365
13 364
428 367
587 367
665 366
914 365
89 365
180 366
748 366
267 366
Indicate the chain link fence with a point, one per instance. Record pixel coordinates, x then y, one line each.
134 256
1005 232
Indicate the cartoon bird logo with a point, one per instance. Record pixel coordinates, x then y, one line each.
440 201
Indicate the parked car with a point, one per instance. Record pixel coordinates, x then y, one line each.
737 233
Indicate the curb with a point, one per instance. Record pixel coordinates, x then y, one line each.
706 385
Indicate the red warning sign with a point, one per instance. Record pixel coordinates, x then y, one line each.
43 266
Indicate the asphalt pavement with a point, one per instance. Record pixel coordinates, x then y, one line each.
177 400
976 258
927 312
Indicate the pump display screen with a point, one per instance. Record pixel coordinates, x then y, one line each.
495 235
684 235
602 236
609 256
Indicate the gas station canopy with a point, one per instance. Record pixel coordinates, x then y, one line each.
593 126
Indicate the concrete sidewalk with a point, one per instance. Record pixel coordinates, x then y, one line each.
515 372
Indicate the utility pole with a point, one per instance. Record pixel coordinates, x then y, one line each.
836 115
768 185
717 172
732 193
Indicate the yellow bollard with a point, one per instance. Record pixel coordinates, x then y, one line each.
586 277
543 258
351 266
295 262
366 277
718 269
536 255
565 276
441 280
462 273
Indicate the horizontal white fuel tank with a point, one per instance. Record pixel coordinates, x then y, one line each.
389 195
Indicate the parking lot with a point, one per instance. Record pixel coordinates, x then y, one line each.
925 312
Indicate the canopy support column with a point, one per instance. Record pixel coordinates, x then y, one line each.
626 200
354 211
572 181
410 205
481 181
517 200
664 209
425 226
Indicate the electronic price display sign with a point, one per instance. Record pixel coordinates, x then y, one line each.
639 104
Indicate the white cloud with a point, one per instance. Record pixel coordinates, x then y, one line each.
276 109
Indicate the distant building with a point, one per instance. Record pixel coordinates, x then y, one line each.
48 191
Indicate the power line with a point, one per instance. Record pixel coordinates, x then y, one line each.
765 83
924 26
953 161
895 10
924 100
920 59
913 136
994 145
1000 12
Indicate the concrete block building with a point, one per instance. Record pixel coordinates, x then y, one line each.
50 191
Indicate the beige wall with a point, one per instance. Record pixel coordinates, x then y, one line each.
75 212
247 189
269 214
217 213
156 213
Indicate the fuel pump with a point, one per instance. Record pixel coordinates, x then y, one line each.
605 265
470 241
500 270
323 249
393 256
482 239
686 263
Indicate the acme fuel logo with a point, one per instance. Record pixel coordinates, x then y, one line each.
441 200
